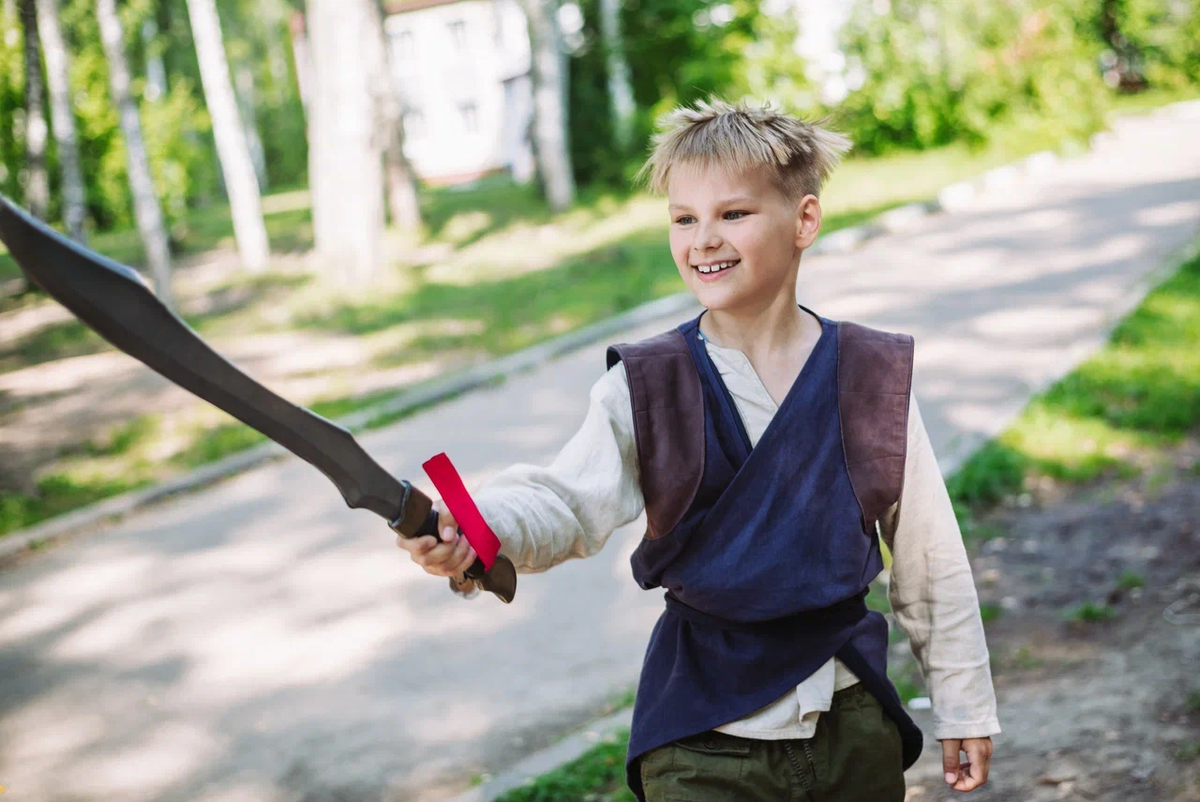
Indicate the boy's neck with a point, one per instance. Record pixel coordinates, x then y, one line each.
759 333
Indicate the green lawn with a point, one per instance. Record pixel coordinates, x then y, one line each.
1141 391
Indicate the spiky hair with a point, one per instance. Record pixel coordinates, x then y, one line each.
799 155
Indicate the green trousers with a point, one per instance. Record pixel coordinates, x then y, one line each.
854 756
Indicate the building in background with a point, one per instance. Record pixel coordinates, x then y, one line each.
463 72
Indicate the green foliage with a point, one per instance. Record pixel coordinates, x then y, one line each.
12 102
678 51
1149 42
935 73
175 126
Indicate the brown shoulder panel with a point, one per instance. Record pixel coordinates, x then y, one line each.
668 425
874 382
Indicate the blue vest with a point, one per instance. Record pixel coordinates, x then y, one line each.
766 571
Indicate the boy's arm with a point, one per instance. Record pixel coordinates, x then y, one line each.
545 515
933 596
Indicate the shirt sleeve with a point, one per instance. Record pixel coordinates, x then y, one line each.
933 595
546 515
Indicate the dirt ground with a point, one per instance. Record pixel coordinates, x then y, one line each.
1100 710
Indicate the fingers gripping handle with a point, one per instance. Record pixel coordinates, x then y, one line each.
491 570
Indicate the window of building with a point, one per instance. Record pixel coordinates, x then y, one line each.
404 49
458 32
470 117
414 124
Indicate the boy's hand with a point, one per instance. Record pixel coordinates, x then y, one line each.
974 772
448 557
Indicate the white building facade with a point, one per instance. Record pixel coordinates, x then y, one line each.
463 72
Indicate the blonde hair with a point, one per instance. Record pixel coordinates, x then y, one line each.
799 155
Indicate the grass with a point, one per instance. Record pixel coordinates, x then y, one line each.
1130 580
1140 392
60 493
1089 613
1148 101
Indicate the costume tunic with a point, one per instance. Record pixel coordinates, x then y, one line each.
547 514
784 515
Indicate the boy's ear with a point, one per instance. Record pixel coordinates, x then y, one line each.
808 221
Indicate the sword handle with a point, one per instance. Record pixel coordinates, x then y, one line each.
501 580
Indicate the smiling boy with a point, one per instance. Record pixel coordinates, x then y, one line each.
769 447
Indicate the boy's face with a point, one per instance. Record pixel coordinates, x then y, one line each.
719 218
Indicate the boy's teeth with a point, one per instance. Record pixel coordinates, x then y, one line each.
714 268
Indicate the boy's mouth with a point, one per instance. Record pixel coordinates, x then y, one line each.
713 269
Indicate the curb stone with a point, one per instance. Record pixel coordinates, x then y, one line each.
539 763
949 198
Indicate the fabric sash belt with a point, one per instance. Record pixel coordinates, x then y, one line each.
842 614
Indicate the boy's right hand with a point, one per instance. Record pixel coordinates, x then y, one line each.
450 556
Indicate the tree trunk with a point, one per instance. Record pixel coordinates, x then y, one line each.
302 55
145 202
156 68
403 204
37 190
549 77
232 150
620 90
62 119
345 153
247 98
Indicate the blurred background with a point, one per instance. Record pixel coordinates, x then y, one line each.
362 203
390 191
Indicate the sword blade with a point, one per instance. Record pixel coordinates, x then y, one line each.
115 301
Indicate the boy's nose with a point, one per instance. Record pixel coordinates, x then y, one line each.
708 239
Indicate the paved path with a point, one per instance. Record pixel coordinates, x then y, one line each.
259 642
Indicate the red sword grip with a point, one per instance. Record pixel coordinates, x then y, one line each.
470 522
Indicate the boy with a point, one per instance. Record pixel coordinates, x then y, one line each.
765 443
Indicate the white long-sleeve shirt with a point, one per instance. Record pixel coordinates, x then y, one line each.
546 515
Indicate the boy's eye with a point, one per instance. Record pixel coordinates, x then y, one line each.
685 219
740 215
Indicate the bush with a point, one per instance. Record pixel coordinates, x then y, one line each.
922 74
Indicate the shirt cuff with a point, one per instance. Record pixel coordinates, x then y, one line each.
943 730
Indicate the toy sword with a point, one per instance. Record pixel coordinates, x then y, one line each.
115 301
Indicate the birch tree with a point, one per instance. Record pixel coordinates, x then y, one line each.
232 150
548 70
62 118
620 90
345 155
37 187
403 204
145 202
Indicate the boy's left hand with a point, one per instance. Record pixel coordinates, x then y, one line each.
974 772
